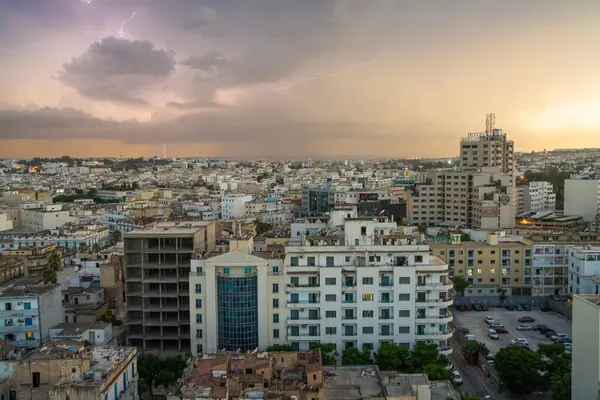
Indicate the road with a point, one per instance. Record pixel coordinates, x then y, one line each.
473 380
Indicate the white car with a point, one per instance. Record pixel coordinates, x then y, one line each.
496 325
520 341
489 319
493 334
558 336
524 328
457 377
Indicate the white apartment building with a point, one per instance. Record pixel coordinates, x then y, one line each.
6 223
585 367
536 197
62 238
366 285
582 197
584 269
550 270
49 216
233 206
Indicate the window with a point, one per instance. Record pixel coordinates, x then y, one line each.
404 329
367 330
247 270
198 318
226 270
276 288
310 261
367 281
329 261
368 346
363 230
330 281
367 314
275 269
294 261
330 330
404 280
330 314
27 306
347 259
35 377
198 288
418 259
404 297
276 333
8 306
198 303
275 303
276 318
403 313
330 297
357 242
198 334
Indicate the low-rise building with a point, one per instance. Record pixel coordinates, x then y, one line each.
45 217
84 304
10 268
94 333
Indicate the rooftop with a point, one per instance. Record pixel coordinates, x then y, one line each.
25 291
352 383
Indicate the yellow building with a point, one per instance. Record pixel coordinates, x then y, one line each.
498 262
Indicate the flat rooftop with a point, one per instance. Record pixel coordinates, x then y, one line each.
351 384
168 231
593 299
25 291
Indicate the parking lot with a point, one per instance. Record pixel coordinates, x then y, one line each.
474 322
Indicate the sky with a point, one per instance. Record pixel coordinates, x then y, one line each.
294 78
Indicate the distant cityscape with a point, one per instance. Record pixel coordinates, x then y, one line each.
303 272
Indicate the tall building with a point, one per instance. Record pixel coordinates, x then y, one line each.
366 285
585 367
582 197
535 197
157 269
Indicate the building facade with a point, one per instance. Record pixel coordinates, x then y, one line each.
157 270
49 216
582 197
536 197
585 382
233 206
371 285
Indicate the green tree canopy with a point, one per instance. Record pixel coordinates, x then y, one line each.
519 369
328 352
49 275
391 357
54 261
354 356
469 396
561 387
471 351
460 284
155 372
280 347
423 354
262 227
437 372
117 235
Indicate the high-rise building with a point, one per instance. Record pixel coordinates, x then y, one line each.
157 269
369 284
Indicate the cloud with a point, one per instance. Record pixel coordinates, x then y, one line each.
200 16
209 61
194 104
118 70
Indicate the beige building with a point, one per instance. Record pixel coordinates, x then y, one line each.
10 268
499 262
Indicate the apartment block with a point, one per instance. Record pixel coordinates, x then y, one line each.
582 197
535 197
362 286
233 206
584 269
499 262
157 270
27 312
43 217
585 367
550 268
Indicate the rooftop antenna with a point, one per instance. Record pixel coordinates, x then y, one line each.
490 122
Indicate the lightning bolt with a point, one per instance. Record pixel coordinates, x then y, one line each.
121 32
285 89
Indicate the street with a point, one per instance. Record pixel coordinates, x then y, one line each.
474 381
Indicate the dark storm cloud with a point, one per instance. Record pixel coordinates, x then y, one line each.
117 69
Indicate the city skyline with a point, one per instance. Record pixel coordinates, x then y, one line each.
292 79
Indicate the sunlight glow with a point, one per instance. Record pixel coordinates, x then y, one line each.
575 115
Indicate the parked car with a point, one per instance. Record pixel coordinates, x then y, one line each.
526 319
501 330
488 319
449 366
485 308
563 341
546 329
496 325
510 307
526 307
457 378
558 336
493 334
549 334
519 341
489 356
519 307
568 347
468 307
463 329
477 307
524 327
538 327
546 308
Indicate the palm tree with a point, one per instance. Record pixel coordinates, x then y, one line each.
49 275
54 261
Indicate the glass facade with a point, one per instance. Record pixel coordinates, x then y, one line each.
238 312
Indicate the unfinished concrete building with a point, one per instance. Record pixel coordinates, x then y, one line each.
157 268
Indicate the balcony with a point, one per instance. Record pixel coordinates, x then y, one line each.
435 285
18 313
18 328
302 304
435 335
386 284
302 288
303 336
302 320
434 302
436 318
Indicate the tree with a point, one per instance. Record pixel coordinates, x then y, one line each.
561 387
83 247
460 284
54 261
354 356
502 295
437 372
555 364
155 371
328 352
280 347
519 369
471 351
423 354
391 357
49 275
117 235
262 227
469 396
